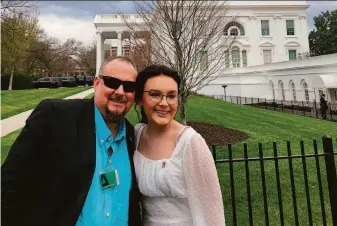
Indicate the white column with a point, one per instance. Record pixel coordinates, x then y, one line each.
119 45
99 50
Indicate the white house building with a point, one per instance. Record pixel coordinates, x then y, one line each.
263 61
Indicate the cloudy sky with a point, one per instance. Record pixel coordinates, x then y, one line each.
74 19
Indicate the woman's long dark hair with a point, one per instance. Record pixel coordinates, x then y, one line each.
149 72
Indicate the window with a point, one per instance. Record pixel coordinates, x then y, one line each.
234 32
292 86
292 54
267 56
227 59
244 58
234 24
290 27
236 57
203 60
281 87
265 27
306 92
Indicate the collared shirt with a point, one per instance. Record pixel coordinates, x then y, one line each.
108 207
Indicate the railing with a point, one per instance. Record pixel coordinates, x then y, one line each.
304 108
297 190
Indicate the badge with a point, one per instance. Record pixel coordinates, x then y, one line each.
109 179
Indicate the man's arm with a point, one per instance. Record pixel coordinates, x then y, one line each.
23 158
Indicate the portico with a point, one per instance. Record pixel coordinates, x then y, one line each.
111 29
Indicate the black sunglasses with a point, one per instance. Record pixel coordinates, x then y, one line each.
114 83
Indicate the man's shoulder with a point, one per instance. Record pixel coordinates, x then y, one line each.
65 107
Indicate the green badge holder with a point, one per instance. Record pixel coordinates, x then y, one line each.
109 179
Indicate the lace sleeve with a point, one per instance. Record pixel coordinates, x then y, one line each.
204 194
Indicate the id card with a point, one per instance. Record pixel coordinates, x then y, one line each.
109 179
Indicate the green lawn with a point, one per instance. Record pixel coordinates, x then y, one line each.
16 101
262 126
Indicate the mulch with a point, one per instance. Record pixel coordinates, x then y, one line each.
218 135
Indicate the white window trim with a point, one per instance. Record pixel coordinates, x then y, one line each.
295 27
265 36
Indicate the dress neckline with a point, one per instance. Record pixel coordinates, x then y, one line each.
163 159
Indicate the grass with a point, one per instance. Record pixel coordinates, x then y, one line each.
16 101
266 127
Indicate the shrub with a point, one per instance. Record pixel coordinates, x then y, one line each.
20 81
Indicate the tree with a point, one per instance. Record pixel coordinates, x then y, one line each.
323 39
14 8
55 57
17 32
186 36
85 57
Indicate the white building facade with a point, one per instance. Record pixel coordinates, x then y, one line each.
270 36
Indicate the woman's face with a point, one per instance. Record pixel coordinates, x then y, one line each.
160 99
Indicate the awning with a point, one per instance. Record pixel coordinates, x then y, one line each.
324 81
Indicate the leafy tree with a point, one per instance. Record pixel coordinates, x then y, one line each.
323 39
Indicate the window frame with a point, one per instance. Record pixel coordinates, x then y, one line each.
267 29
290 32
271 58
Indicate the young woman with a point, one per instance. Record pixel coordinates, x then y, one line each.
174 167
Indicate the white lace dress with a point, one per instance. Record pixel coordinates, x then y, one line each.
183 190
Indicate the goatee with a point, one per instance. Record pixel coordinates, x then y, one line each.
113 117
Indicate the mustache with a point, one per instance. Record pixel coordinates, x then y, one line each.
118 98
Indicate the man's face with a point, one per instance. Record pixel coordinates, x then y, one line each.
114 104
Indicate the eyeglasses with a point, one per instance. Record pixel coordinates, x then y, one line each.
114 83
157 96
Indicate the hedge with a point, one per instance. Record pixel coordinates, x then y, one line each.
20 81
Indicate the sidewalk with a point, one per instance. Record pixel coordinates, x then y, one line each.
18 121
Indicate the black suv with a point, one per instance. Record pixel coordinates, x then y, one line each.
68 81
47 82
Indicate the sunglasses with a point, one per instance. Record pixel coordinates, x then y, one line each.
114 83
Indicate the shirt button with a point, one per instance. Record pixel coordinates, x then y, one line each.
107 214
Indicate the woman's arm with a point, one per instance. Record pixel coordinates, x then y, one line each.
204 193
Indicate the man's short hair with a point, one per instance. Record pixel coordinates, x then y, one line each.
120 58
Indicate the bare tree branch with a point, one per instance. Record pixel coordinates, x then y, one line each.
185 35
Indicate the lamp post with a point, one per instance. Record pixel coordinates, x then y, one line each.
224 89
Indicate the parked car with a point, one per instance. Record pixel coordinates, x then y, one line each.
89 81
47 82
68 81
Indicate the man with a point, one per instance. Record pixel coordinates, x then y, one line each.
72 163
324 106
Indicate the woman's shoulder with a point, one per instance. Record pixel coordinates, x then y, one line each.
138 127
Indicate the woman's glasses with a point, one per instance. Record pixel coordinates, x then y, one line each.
156 96
114 83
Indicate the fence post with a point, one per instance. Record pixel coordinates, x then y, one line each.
265 100
237 100
316 113
258 102
245 100
240 100
214 152
331 176
303 108
252 102
330 111
282 105
292 107
231 99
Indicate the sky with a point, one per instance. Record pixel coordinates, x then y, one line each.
75 19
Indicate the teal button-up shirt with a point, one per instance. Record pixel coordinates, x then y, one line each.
108 207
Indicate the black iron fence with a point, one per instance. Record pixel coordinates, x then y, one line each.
304 108
330 166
